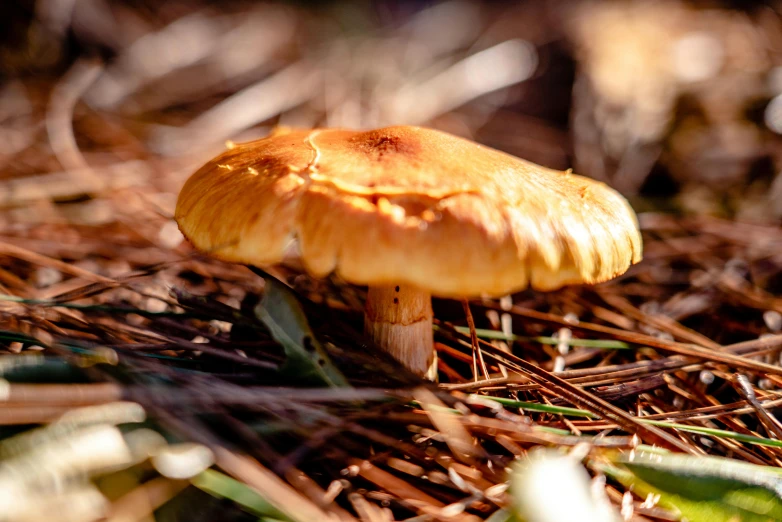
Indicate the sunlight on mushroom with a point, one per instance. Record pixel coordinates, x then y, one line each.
355 202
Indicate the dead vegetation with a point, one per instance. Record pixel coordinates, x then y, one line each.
121 347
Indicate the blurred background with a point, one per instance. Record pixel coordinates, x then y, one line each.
107 106
675 104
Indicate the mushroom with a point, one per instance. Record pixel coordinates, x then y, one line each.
409 212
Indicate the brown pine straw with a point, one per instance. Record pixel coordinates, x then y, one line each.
127 311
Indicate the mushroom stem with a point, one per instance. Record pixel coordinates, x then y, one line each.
399 320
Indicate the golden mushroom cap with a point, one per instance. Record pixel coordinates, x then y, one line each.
407 205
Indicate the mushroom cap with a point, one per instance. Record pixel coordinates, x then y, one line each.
407 205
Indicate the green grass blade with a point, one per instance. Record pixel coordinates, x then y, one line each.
575 412
223 486
607 344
